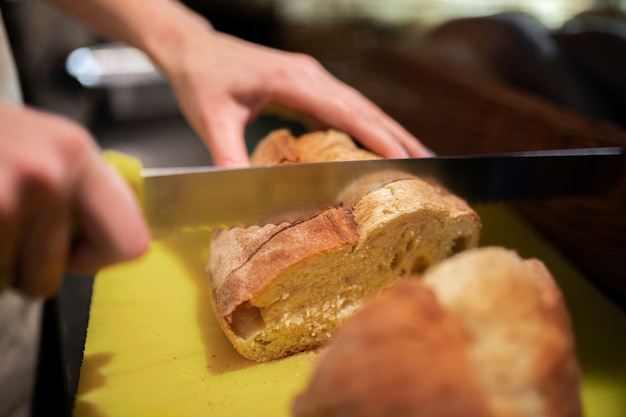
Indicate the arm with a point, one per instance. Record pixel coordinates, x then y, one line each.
222 82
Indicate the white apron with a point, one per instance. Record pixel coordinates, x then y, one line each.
19 317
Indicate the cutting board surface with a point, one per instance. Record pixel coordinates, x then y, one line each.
153 347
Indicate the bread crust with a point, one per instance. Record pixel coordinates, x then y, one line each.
281 147
262 253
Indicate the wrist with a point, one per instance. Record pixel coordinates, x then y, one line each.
174 31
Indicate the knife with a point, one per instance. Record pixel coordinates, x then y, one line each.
184 199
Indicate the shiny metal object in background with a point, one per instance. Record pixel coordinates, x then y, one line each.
133 86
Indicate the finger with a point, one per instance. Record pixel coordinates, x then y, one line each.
344 108
413 146
110 220
43 247
354 114
225 136
417 149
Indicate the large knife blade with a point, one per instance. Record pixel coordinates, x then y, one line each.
190 198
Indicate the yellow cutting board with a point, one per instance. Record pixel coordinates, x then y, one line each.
153 347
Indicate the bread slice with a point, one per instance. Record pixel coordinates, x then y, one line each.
284 288
484 333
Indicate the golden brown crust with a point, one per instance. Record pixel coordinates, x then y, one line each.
328 146
400 355
266 252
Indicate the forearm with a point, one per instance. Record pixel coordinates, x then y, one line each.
157 27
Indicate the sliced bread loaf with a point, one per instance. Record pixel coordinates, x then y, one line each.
284 288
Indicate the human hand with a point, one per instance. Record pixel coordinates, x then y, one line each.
50 172
222 83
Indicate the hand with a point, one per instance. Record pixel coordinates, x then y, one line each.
51 170
222 83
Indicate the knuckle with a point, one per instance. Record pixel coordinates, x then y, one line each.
297 71
306 64
73 142
45 175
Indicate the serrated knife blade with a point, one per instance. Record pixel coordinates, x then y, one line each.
190 198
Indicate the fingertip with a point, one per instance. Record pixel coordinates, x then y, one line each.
402 152
421 151
428 153
413 146
231 161
410 149
231 152
135 244
226 141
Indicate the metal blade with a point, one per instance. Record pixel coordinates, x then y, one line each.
182 199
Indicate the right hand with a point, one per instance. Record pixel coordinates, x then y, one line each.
51 172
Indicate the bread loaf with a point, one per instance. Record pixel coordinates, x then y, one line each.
284 288
484 333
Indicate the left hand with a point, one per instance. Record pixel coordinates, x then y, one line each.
222 83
